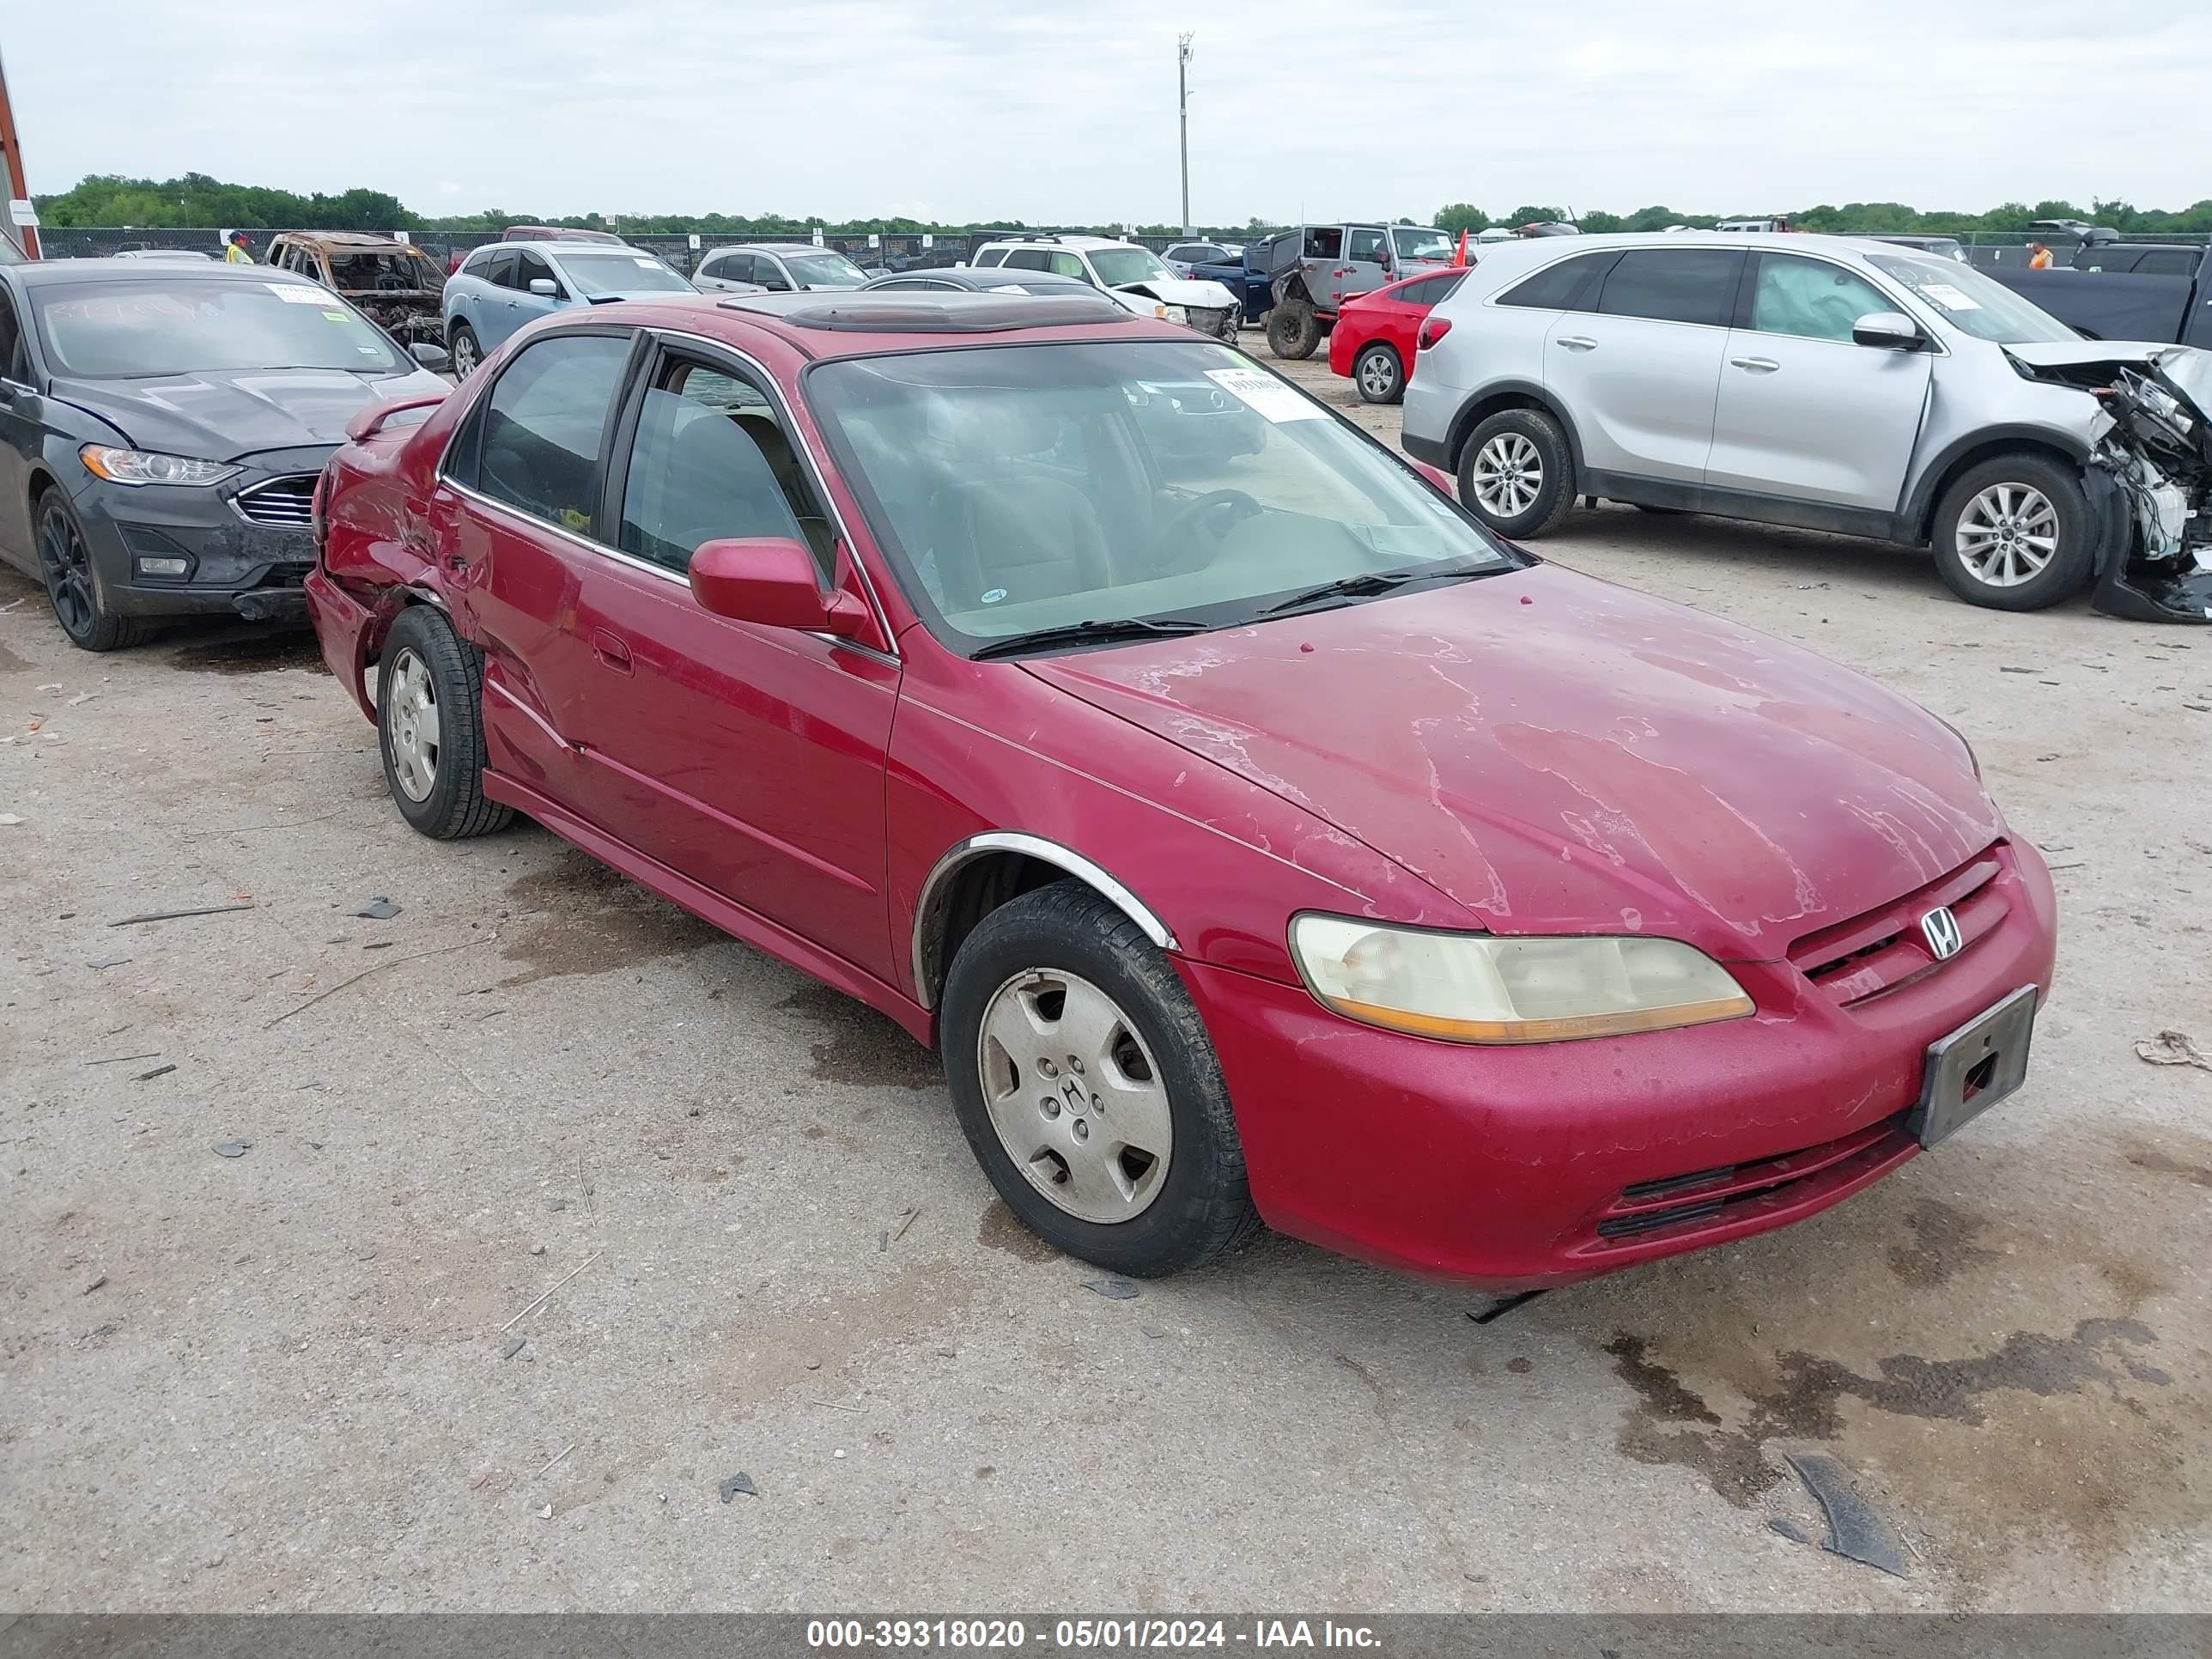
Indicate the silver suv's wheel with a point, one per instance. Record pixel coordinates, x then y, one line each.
1509 475
2014 533
2007 534
1516 473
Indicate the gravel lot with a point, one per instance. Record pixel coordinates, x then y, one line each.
276 1381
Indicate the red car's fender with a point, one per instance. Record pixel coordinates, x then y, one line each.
990 750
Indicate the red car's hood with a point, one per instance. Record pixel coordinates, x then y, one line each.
1556 753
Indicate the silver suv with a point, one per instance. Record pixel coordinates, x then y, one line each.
1826 382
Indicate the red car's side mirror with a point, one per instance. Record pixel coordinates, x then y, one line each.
770 580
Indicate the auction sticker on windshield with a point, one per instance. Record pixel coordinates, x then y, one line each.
295 294
1265 393
1949 298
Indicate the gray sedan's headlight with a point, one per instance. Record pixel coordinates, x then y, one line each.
136 466
1479 987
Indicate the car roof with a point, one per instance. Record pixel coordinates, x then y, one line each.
861 322
984 277
1772 242
767 247
46 272
1084 243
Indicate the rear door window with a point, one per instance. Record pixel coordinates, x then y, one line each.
1673 285
500 273
543 426
1569 285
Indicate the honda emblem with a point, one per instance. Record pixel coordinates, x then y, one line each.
1940 929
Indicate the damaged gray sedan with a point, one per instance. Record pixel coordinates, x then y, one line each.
161 428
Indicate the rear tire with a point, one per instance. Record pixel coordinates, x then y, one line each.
1379 375
1517 475
429 727
1152 1184
2014 532
461 345
74 590
1293 330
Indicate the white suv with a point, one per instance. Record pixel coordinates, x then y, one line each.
1822 381
1132 275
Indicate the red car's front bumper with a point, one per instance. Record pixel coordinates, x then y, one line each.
1516 1167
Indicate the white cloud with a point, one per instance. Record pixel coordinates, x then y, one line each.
1046 112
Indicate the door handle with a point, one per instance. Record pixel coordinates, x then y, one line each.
1756 365
611 651
1577 343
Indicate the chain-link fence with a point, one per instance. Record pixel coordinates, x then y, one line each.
890 251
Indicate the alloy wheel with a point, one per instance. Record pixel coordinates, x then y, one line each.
67 563
1509 475
464 355
2007 534
411 726
1378 375
1078 1102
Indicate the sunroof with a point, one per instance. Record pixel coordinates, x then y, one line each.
937 313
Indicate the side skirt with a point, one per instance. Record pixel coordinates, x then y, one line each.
713 908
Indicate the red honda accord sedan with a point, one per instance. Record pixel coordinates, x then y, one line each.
1255 836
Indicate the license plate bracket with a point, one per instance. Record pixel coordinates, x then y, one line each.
1974 1067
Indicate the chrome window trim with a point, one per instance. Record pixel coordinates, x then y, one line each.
928 921
805 451
233 500
799 448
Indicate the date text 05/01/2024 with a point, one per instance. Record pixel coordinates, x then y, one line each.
1084 1634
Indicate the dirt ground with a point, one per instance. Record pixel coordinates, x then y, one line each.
280 1380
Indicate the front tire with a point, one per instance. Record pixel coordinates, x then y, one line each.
2015 533
1517 475
1088 1088
1293 330
430 724
1378 375
73 586
461 345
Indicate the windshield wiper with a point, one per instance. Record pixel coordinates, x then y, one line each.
1087 633
1368 583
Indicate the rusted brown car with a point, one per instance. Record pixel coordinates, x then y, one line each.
396 283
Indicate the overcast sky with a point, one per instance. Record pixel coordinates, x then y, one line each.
1065 113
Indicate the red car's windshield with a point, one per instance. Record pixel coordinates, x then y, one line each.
1026 488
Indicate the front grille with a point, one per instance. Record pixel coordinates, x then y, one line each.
1884 948
282 503
1724 1194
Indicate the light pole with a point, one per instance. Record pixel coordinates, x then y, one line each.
1182 117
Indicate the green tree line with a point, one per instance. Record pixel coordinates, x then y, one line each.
196 201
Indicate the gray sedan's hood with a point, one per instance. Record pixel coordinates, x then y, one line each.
222 416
